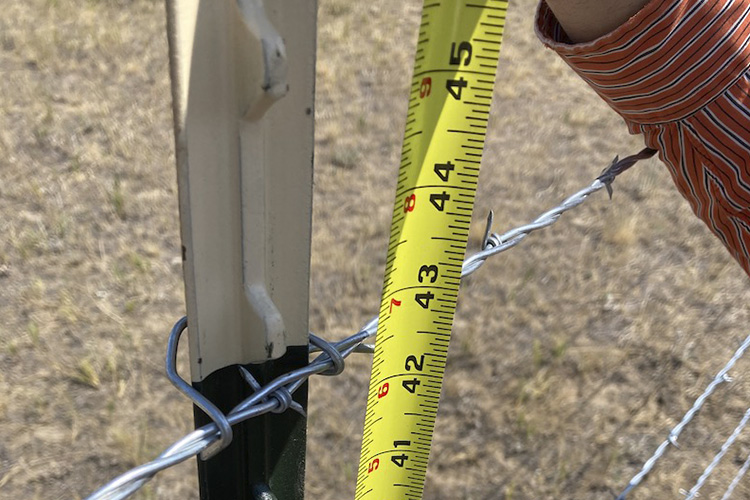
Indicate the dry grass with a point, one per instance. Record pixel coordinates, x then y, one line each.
572 355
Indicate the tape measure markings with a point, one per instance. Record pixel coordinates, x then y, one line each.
443 141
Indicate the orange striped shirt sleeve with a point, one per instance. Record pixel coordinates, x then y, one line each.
677 72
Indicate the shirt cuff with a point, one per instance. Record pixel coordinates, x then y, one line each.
666 62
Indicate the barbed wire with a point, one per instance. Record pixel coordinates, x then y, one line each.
494 244
273 398
737 479
717 458
276 396
720 378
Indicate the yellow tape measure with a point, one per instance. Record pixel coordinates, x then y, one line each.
451 92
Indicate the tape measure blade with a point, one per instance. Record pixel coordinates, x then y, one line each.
449 104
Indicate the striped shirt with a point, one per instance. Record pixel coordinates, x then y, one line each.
677 72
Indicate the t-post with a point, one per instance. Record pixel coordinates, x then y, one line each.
242 85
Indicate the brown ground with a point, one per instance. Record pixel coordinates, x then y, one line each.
573 354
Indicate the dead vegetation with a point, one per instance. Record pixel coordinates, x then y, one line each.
572 354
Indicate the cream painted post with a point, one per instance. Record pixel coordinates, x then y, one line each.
243 82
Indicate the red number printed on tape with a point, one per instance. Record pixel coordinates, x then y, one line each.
394 302
409 203
383 391
373 465
425 88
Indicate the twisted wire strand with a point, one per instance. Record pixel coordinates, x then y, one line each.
274 396
717 458
494 243
720 378
740 474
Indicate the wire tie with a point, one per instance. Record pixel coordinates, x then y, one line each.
198 399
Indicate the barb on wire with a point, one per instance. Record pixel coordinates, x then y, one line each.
724 448
619 166
276 396
720 378
494 244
